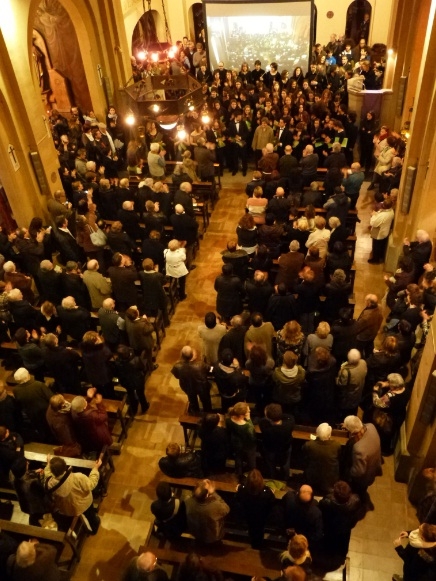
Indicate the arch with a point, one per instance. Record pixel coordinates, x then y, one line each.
63 62
356 26
84 25
146 31
196 22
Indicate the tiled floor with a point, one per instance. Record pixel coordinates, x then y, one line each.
126 510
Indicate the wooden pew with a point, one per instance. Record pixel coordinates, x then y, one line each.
231 557
68 544
190 423
37 453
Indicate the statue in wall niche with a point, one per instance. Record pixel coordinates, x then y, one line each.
41 61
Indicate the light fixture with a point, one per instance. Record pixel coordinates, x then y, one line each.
171 53
130 118
142 55
167 122
390 51
155 108
190 105
154 57
205 118
181 134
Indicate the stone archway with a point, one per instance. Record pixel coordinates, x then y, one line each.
356 26
62 58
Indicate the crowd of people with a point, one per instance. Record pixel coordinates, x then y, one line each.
286 338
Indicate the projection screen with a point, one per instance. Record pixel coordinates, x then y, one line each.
268 31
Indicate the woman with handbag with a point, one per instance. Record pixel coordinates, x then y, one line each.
389 401
91 238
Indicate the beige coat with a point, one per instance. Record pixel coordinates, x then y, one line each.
74 496
98 287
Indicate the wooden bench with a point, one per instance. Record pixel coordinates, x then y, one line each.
190 423
68 544
230 557
37 453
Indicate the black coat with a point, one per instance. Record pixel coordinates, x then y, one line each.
123 284
185 227
73 286
280 310
229 295
74 322
153 294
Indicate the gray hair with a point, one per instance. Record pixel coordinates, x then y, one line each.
69 303
395 380
324 431
46 265
353 424
9 266
294 245
26 554
336 147
154 147
15 295
78 404
21 375
354 356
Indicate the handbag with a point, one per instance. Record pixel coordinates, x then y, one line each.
382 420
98 237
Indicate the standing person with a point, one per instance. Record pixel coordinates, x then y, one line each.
309 165
368 324
91 421
96 357
131 372
256 500
380 223
230 290
204 155
205 513
192 376
30 491
276 431
237 135
140 334
362 457
350 383
214 444
322 460
211 334
352 182
71 493
367 131
418 551
242 437
156 161
264 134
175 259
33 398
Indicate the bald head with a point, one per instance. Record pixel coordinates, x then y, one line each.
146 562
371 300
354 356
280 192
269 147
288 150
187 353
108 304
92 264
356 167
128 206
179 209
306 493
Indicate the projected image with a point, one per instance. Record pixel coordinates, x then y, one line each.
235 39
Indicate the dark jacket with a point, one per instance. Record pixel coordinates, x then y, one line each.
73 286
229 295
64 366
74 322
123 284
92 428
304 517
153 294
96 359
62 427
185 227
186 465
321 461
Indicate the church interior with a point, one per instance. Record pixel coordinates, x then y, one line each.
56 54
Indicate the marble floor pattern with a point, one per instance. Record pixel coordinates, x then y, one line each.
125 512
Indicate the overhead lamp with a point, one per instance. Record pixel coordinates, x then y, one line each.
205 118
190 105
141 55
130 118
155 108
171 53
181 134
390 51
167 122
154 57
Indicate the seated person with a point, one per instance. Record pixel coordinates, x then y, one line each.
178 464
